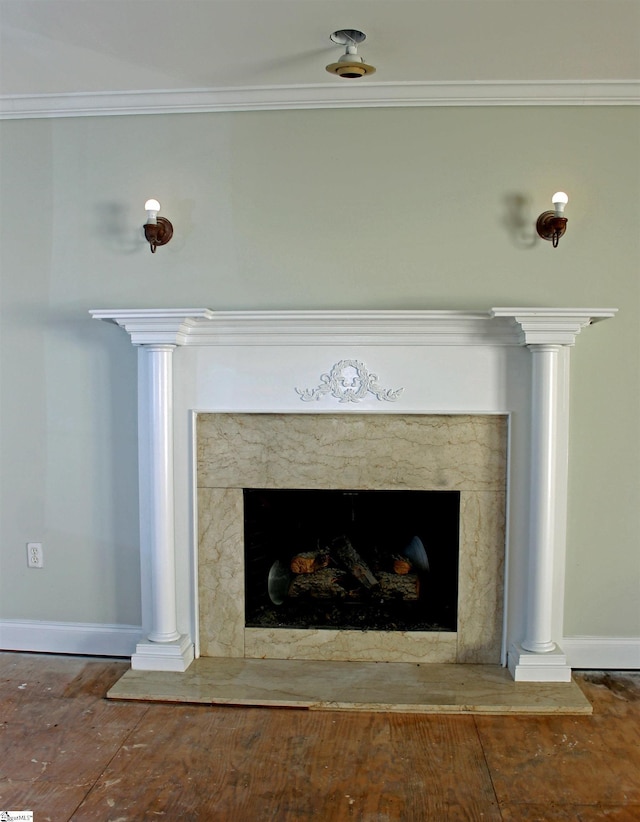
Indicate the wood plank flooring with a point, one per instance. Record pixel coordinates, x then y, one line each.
70 754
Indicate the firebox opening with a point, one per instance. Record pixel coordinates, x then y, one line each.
367 560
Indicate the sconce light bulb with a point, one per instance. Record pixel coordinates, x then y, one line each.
559 201
152 207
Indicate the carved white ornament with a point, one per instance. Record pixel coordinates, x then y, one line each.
349 381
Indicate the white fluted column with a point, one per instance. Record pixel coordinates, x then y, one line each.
166 648
537 657
158 332
159 406
543 492
548 333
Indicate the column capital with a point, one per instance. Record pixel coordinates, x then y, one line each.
552 326
544 347
167 348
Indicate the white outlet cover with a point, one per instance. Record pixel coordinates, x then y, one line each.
35 558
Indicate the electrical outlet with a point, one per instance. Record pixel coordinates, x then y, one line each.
35 555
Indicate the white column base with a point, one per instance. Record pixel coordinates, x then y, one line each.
163 656
550 666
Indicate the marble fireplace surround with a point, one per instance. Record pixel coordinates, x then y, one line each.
466 453
505 362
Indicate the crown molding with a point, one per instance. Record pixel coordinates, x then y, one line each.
354 94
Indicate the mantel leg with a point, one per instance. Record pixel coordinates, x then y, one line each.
538 658
166 648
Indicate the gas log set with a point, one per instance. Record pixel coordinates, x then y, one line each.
335 586
339 572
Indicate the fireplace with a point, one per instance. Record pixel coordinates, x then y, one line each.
339 382
349 559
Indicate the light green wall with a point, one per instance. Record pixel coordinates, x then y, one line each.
366 208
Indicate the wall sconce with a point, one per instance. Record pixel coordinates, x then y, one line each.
157 230
551 225
350 66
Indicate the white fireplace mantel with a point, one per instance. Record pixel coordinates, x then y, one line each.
499 326
512 361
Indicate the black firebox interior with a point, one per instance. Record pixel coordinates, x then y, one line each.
368 560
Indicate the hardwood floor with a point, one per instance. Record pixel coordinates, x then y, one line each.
69 754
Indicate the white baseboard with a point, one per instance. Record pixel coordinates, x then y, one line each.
68 637
599 652
582 652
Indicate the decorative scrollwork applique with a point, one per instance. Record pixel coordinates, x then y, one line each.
349 381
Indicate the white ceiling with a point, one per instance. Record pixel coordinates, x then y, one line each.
67 48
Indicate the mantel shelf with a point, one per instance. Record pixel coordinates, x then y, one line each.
497 326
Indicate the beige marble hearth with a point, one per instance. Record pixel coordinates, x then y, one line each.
353 686
467 453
